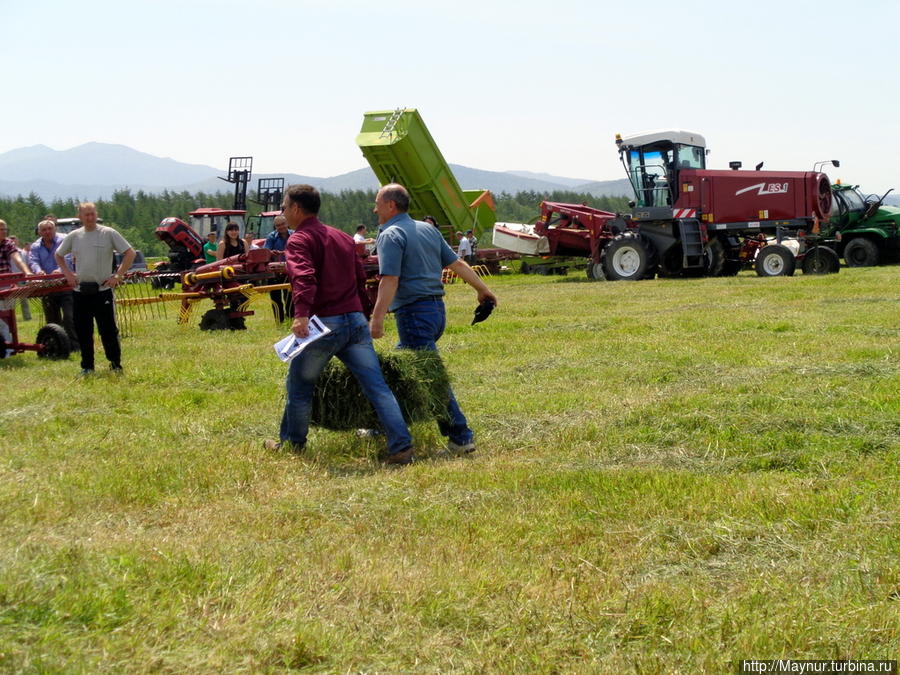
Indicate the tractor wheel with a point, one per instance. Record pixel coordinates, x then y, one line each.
55 342
629 258
775 260
525 268
215 319
861 252
589 270
597 273
821 260
715 257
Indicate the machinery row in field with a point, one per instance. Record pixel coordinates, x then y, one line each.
688 220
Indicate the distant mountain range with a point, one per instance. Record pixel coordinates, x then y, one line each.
96 170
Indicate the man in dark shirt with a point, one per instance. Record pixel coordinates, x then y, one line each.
277 241
327 280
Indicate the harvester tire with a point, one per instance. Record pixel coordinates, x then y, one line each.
861 252
821 260
525 268
715 257
629 257
732 267
670 262
55 342
775 260
597 272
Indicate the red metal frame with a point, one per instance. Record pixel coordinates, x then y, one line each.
18 286
581 230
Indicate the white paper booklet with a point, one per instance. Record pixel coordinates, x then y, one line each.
287 348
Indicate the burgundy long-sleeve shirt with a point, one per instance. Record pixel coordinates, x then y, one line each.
326 274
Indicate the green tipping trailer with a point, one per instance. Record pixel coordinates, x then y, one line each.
399 148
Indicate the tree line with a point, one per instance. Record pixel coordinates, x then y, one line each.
136 215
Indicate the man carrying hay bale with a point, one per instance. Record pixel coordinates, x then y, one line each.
327 280
411 257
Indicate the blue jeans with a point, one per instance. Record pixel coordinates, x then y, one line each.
420 325
351 342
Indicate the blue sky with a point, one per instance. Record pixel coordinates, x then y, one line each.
536 86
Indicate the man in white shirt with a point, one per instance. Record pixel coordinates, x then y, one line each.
360 236
93 246
465 249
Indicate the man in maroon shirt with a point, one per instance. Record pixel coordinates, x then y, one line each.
327 280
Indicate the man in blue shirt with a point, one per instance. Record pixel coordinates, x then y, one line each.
58 307
411 257
277 241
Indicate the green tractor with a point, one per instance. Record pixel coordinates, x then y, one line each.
865 231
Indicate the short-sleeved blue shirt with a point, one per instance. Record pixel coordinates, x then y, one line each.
417 254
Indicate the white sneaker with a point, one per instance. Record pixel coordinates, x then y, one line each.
461 449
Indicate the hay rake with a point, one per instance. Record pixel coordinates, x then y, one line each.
232 284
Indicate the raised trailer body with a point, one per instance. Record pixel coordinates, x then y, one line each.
400 149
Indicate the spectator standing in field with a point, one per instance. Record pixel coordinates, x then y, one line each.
327 280
411 257
93 246
231 243
464 251
473 242
360 236
209 248
24 303
9 253
9 258
58 307
277 241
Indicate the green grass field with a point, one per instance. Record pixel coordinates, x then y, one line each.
672 475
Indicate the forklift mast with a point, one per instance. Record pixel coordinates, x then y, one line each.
269 193
239 170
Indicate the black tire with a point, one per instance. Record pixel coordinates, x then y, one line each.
215 319
589 270
775 260
597 273
525 268
732 267
629 258
861 252
715 257
821 260
55 342
670 262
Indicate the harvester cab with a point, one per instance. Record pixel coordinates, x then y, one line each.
652 161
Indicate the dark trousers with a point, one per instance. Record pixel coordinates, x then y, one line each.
58 309
282 305
102 308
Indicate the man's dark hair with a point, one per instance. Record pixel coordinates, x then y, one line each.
306 197
396 193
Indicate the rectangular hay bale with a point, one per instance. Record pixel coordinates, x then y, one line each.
417 378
